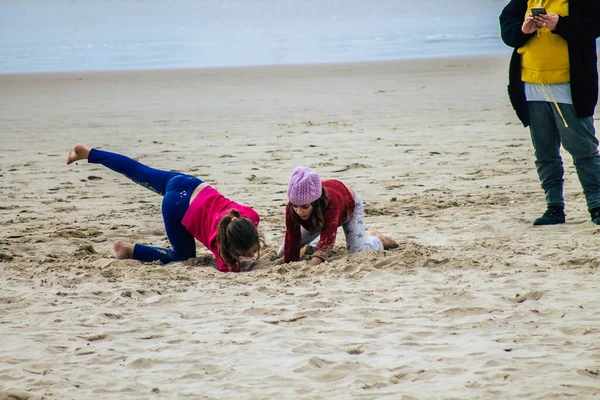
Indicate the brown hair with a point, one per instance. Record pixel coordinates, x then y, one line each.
318 212
236 234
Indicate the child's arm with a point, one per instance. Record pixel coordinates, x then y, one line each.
315 261
327 238
293 238
221 266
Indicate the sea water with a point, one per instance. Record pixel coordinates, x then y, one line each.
76 35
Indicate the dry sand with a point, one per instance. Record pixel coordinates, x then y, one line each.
476 302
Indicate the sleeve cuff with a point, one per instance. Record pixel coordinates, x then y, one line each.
321 254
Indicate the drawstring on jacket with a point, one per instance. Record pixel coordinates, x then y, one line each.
554 101
544 86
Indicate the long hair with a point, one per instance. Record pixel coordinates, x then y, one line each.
318 211
235 235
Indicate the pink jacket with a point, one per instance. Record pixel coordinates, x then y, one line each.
203 215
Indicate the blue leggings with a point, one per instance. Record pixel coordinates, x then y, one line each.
176 189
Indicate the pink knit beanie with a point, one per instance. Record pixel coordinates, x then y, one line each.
304 186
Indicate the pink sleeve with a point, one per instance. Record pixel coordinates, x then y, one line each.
221 266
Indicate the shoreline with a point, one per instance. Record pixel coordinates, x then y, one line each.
266 66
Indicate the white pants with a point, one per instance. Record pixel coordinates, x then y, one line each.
357 239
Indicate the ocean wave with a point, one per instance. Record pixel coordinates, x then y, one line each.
456 37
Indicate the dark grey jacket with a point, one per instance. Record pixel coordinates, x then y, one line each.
580 29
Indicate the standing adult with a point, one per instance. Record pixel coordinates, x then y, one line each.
553 87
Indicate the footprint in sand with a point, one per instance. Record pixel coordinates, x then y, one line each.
352 166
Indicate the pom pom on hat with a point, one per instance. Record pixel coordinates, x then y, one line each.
304 186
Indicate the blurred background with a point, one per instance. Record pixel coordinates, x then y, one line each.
74 35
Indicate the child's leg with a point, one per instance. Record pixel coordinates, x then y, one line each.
356 235
151 178
306 237
174 205
176 188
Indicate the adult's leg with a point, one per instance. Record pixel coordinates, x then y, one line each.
356 235
579 139
546 142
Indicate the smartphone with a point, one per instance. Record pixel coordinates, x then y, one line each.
536 11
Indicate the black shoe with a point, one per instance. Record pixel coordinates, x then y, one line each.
595 214
556 215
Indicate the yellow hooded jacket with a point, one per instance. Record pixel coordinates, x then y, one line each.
545 58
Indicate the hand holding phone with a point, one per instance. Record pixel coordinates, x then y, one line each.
535 13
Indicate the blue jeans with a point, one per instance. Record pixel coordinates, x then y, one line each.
548 132
176 189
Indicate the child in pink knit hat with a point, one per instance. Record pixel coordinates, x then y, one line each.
316 209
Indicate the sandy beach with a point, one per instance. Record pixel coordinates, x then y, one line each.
475 303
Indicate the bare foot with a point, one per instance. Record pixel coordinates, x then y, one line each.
388 243
79 152
123 250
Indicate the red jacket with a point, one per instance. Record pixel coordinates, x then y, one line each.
338 212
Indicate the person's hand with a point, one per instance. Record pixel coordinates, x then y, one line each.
547 20
315 261
529 25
